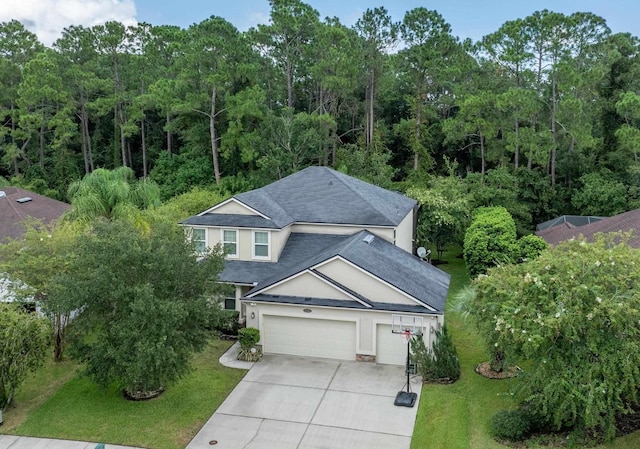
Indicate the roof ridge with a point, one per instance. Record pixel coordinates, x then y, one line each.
335 173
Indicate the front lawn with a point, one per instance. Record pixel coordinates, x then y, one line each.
79 410
457 416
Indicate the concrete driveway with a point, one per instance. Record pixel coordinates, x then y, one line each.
304 403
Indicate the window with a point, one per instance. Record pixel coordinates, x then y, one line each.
230 303
230 242
261 244
199 239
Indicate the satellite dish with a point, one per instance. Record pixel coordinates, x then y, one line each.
421 252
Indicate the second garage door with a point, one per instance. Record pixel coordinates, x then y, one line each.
391 348
309 337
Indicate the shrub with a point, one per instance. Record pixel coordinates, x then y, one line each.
248 338
227 323
440 362
511 425
530 246
490 240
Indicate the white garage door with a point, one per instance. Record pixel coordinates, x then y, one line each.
391 348
309 337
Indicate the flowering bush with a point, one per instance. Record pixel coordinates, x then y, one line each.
574 312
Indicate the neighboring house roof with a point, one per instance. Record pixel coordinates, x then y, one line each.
627 221
420 280
568 221
317 195
18 205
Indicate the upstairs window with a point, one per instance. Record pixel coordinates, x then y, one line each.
230 242
199 239
261 245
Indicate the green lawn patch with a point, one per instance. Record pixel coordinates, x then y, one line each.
80 410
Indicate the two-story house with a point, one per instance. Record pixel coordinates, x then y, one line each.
321 262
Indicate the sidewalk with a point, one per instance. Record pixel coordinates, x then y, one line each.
16 442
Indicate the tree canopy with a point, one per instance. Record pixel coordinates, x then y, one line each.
146 303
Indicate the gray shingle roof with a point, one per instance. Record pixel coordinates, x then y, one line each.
382 259
326 302
323 195
299 247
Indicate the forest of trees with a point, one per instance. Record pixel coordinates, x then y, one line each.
541 117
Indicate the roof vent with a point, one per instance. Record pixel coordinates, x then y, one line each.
26 199
2 194
368 238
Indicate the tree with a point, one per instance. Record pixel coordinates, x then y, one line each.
490 240
146 302
293 27
574 314
429 60
35 261
444 212
111 194
379 34
24 340
601 194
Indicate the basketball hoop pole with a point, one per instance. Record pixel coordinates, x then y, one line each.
408 337
407 326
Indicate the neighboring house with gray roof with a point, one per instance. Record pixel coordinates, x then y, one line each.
321 262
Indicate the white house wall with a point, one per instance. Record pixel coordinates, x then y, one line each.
363 283
306 285
404 233
366 322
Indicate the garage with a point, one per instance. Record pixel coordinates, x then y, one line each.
308 337
391 348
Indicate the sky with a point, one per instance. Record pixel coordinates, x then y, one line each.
468 18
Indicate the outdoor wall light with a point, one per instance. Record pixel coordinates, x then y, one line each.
252 304
253 315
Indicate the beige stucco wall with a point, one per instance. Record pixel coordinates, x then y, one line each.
361 282
384 233
309 286
404 233
233 207
366 321
278 239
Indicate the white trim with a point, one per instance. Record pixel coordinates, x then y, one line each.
235 200
253 245
393 287
237 242
368 306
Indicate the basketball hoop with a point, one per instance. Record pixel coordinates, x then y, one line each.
407 335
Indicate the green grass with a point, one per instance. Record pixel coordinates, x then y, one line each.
79 410
457 416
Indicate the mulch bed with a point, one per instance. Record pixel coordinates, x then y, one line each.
484 369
